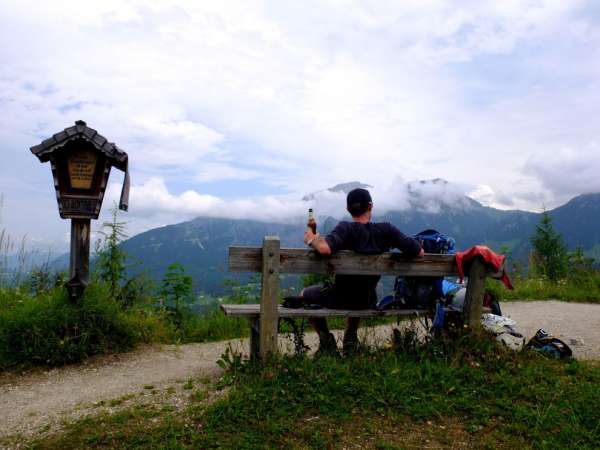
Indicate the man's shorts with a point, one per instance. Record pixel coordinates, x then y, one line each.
327 296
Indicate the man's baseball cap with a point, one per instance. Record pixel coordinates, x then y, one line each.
358 199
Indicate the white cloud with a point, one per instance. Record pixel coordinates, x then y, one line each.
568 171
152 203
296 97
486 195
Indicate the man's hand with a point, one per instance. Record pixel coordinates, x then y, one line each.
316 242
421 253
309 236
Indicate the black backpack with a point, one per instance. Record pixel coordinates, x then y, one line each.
420 292
549 345
433 241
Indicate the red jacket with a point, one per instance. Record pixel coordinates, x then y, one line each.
492 260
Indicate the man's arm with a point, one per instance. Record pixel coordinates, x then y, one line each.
333 242
317 242
406 244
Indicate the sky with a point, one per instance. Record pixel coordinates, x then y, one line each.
240 108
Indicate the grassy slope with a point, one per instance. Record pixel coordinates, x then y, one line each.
581 287
47 329
473 395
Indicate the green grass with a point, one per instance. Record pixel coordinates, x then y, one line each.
212 326
470 392
583 286
46 329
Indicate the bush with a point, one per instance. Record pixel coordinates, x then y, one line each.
47 329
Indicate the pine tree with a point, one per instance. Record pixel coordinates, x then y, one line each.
176 286
579 262
549 252
110 263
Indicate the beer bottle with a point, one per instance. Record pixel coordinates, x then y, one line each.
312 223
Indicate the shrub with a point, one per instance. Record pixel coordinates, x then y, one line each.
47 329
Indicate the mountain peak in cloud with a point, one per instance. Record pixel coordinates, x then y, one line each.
347 187
434 196
341 187
438 194
436 181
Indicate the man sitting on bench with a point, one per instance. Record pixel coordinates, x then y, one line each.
353 291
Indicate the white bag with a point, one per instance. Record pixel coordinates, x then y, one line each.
504 329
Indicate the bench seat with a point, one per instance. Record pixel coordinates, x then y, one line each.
253 310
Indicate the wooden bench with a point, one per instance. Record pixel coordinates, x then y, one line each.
271 260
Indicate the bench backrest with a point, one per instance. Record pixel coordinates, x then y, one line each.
300 260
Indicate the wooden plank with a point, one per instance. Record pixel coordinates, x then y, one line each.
474 295
299 260
269 320
250 311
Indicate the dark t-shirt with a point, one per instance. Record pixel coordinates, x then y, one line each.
368 239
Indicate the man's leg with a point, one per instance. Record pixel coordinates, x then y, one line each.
327 342
319 324
350 343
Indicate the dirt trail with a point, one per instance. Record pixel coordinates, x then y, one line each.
42 400
39 399
577 324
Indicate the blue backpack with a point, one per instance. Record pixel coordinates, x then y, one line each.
420 292
433 241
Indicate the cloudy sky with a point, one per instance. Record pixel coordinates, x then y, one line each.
236 109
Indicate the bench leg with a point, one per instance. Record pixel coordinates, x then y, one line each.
474 296
254 338
269 317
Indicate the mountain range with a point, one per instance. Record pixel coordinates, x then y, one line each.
200 245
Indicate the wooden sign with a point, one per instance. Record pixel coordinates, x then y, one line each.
81 160
80 175
82 166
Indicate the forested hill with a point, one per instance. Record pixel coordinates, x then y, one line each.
201 244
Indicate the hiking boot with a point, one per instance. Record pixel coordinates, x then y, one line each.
350 344
327 345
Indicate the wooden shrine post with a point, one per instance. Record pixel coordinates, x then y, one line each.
79 260
81 160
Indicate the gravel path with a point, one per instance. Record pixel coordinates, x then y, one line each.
34 401
42 400
577 324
